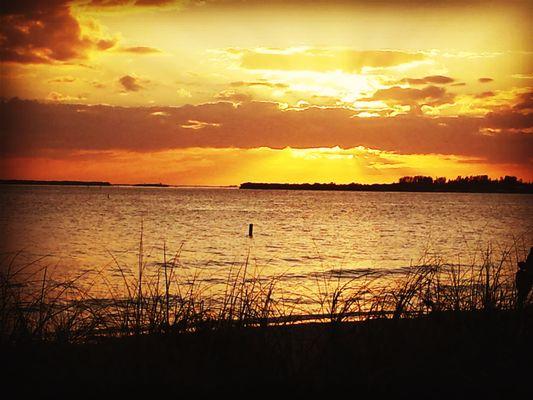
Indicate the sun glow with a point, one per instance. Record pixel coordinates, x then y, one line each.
449 83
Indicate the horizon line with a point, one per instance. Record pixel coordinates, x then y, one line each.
80 182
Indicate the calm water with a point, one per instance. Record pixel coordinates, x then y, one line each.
296 233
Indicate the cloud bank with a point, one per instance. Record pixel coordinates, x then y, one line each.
500 137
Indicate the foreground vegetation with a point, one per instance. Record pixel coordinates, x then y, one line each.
437 328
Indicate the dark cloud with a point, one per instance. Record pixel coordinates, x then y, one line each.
62 79
29 6
108 3
509 119
484 95
33 31
130 83
98 85
70 127
525 102
231 95
485 80
260 83
56 96
431 95
104 44
118 3
140 50
516 117
153 2
434 79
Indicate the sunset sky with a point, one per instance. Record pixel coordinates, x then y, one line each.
222 92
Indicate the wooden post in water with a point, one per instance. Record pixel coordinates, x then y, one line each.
251 230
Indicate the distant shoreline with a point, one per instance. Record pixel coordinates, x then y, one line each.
406 184
97 183
52 183
456 186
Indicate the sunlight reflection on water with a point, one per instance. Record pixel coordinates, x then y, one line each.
296 233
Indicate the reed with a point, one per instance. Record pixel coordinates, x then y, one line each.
36 305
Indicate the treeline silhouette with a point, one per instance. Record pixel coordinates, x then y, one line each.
468 184
52 183
74 183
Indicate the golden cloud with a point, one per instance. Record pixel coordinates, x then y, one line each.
323 60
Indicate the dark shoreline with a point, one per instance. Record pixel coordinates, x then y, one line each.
74 183
522 188
52 183
441 355
25 182
407 184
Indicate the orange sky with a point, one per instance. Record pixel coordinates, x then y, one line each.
221 92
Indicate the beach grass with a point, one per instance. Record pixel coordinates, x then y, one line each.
435 328
35 305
